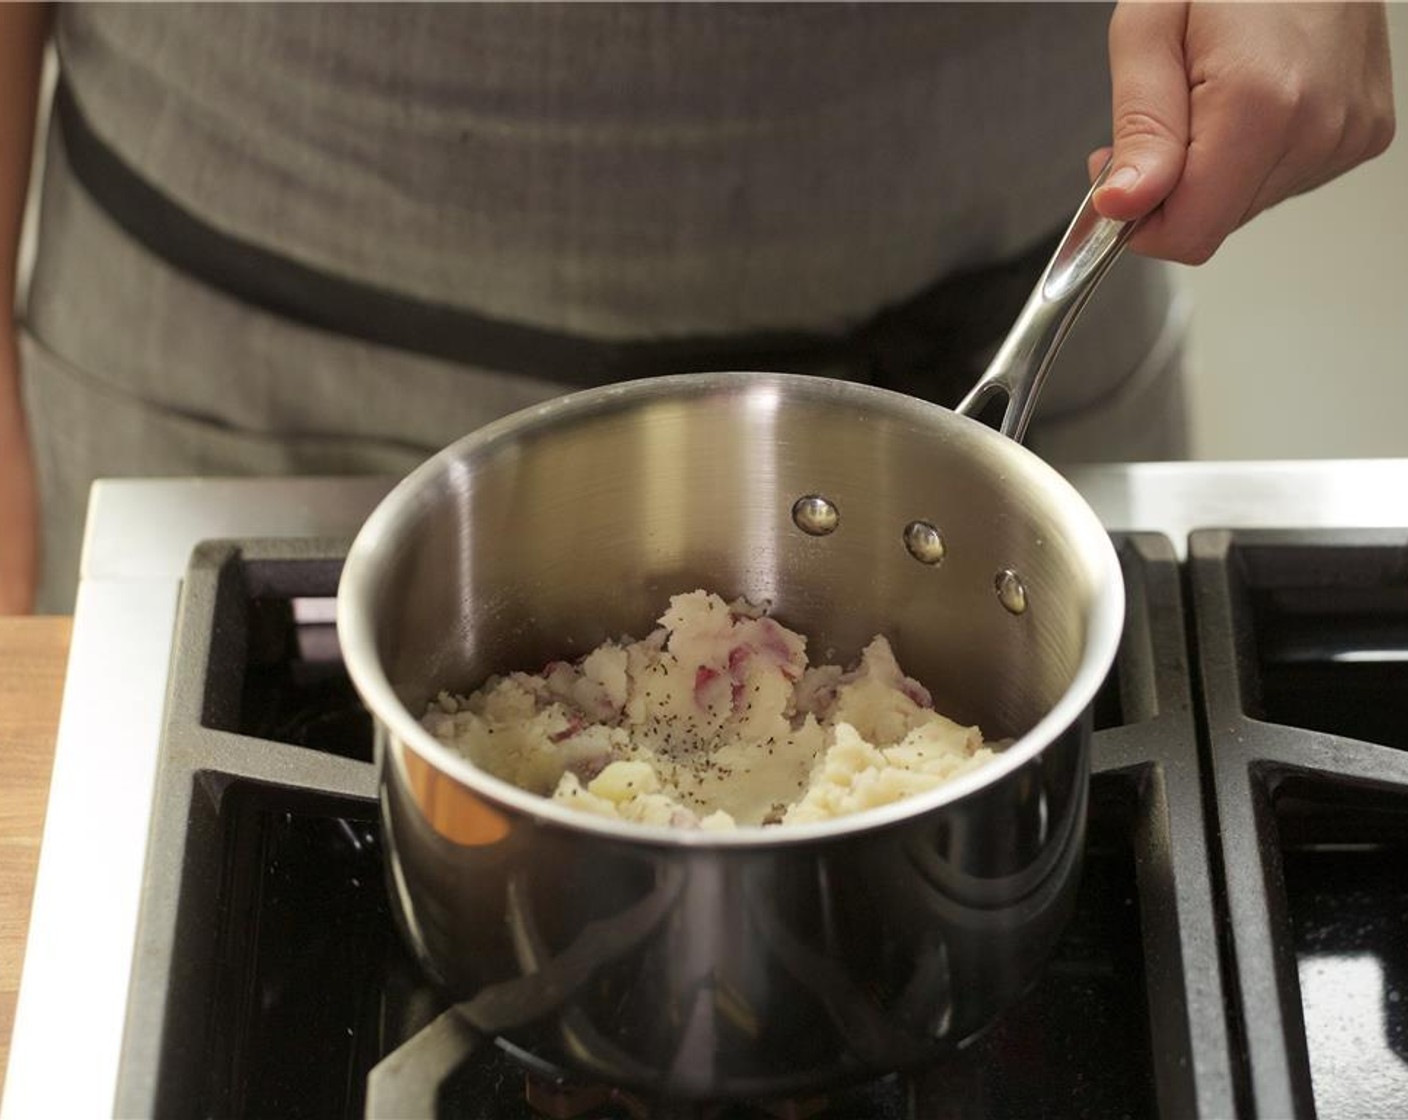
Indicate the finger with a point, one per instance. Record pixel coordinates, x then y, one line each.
1236 147
1096 160
1149 88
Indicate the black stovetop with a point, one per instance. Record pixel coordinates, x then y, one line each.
1240 934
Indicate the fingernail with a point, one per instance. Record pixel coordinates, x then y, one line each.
1123 179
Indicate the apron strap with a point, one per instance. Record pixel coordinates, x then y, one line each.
931 345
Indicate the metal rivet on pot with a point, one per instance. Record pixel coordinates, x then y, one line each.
925 542
815 515
1011 591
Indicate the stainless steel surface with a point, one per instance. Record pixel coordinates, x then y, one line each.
144 529
1176 498
1090 246
139 537
736 964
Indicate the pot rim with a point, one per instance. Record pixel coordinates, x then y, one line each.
361 572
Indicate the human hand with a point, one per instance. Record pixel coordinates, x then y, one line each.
1222 110
19 502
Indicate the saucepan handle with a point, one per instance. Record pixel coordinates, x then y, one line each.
1091 245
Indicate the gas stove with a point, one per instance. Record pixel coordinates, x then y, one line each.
210 895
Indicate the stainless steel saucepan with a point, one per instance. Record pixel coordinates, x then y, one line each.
771 960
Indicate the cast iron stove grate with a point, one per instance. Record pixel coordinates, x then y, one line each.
269 980
1303 641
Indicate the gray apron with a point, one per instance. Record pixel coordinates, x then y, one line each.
700 179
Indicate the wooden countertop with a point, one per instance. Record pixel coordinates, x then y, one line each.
33 657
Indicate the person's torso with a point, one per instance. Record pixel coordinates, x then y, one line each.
630 170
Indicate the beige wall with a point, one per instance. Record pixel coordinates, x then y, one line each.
1299 345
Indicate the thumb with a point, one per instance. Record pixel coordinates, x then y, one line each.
1149 87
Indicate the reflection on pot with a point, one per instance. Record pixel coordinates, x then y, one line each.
740 971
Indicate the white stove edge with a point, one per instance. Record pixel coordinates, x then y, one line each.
138 538
139 534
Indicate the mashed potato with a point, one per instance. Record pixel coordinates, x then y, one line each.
714 720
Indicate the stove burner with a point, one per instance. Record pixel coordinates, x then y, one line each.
556 1095
564 1100
446 1068
561 1100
